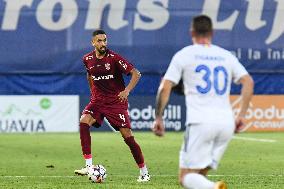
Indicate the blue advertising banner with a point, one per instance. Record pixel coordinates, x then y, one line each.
51 36
142 113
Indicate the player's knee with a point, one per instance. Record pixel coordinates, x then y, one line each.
204 171
87 119
126 133
126 136
180 179
183 173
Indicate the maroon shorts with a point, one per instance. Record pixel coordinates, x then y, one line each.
118 118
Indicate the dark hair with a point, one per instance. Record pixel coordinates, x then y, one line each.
97 32
202 25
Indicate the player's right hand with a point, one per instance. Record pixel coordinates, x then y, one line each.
240 124
158 127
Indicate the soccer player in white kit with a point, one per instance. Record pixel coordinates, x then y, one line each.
207 72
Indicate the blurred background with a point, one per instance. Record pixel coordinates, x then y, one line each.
42 42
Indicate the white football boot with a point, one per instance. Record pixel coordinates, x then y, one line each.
144 178
84 171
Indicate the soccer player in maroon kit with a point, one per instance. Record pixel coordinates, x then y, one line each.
108 100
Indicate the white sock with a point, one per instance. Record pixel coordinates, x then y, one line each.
143 170
197 181
89 162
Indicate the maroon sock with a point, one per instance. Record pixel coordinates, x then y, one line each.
135 150
85 138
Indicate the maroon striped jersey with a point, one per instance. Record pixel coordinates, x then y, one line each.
107 78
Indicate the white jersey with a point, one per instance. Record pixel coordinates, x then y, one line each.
207 73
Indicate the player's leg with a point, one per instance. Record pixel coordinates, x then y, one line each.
192 179
196 158
86 121
120 120
221 142
133 146
136 153
90 116
224 135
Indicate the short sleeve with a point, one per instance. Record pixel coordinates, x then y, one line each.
174 71
85 64
238 70
123 65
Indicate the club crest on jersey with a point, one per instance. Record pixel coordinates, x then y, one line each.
107 65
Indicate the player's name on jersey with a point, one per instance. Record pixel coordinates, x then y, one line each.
207 57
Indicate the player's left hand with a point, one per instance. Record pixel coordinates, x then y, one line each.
123 95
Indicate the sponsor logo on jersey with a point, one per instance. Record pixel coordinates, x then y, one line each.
102 77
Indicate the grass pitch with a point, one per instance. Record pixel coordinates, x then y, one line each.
48 161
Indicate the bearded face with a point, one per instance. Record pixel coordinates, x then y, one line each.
100 43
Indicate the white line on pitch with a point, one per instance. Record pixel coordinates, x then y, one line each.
254 139
60 176
245 175
36 176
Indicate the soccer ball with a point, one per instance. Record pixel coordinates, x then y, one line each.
97 174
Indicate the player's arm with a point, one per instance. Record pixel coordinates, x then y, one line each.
135 76
246 94
89 78
162 99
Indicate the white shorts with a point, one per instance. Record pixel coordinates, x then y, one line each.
204 145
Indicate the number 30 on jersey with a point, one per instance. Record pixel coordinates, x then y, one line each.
207 78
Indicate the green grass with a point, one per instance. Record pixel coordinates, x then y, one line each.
246 164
